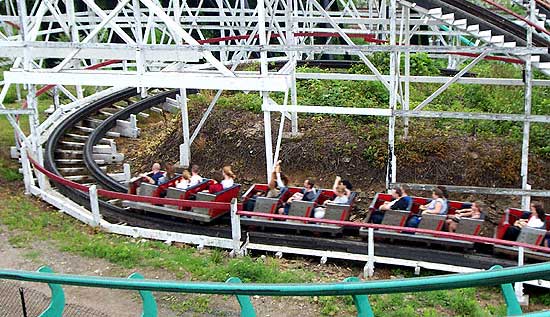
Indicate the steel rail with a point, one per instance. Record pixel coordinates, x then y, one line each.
486 278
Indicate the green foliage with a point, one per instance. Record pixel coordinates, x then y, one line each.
195 303
10 174
18 213
250 101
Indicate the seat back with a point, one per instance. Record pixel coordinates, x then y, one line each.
301 208
146 189
193 190
531 235
266 205
253 190
508 218
453 206
204 196
378 200
175 193
469 226
432 222
395 218
417 202
224 196
337 212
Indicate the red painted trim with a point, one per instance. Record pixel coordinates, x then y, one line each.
443 234
539 239
343 215
13 24
478 229
308 212
492 58
402 222
439 225
517 16
130 197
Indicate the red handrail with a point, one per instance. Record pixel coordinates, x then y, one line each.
130 197
517 16
442 234
202 204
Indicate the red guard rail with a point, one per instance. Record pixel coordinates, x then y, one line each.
517 16
130 197
201 204
442 234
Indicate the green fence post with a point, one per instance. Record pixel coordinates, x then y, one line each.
247 309
361 301
149 303
57 302
513 307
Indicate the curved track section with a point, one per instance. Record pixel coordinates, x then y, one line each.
112 212
486 19
96 172
138 218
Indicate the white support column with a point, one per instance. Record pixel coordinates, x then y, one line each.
392 160
27 171
268 144
185 147
369 269
527 124
291 40
127 172
235 229
265 95
518 286
406 83
94 206
55 92
140 60
32 104
74 35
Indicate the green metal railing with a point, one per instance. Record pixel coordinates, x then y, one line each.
233 286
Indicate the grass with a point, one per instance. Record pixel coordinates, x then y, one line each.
27 220
24 216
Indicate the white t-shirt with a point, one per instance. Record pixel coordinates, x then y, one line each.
226 183
341 200
195 179
443 202
183 184
535 222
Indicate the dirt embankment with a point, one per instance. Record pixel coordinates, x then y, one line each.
355 148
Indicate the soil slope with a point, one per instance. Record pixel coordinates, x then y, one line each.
352 147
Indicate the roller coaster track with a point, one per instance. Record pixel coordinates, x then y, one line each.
484 25
116 214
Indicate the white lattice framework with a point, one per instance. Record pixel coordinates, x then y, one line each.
176 44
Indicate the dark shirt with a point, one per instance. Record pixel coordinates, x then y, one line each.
157 176
402 203
526 215
308 196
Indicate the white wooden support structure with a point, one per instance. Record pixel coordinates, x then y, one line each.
127 172
368 271
528 73
185 147
391 170
518 286
94 206
27 171
407 70
235 229
56 103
